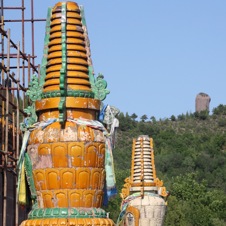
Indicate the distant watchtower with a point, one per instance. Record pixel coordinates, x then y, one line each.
202 102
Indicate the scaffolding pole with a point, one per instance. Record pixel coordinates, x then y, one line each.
6 134
17 127
16 67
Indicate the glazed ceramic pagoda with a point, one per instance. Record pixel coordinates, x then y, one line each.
66 151
143 196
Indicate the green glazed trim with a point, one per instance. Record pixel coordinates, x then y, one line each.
99 88
30 119
63 70
39 213
69 93
29 175
34 93
45 51
62 110
82 13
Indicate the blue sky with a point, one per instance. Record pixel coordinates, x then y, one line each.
155 55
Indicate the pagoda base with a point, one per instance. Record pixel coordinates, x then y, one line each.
69 222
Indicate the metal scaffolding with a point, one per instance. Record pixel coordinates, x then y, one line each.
16 68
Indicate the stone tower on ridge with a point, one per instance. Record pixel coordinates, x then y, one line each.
202 102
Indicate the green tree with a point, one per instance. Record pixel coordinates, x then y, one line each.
134 116
202 114
173 118
153 119
220 110
143 118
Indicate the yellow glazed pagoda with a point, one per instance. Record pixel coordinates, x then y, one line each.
64 152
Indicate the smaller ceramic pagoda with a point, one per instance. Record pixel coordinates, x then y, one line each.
143 196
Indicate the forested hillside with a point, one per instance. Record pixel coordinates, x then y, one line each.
190 157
